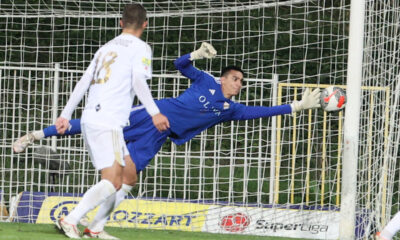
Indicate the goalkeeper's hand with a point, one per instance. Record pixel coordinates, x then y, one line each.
308 101
206 50
62 124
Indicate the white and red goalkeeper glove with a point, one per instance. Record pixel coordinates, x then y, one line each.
206 50
308 101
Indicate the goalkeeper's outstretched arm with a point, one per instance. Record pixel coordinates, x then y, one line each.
309 100
250 112
184 63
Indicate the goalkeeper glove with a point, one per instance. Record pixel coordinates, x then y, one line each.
309 100
206 50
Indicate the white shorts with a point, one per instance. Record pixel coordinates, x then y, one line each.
104 145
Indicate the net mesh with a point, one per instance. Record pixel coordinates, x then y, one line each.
285 160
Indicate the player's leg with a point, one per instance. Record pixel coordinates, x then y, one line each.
91 199
106 148
141 152
23 142
96 227
96 195
390 229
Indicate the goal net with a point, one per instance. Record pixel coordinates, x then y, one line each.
277 176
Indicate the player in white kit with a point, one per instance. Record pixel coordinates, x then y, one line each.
390 230
117 72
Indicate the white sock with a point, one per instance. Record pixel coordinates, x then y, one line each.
38 134
91 199
392 227
97 225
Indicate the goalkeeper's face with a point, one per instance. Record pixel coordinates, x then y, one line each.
231 83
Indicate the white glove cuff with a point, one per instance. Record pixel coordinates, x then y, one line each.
296 106
195 55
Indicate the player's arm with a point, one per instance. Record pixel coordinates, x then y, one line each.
184 63
243 112
62 123
308 101
141 71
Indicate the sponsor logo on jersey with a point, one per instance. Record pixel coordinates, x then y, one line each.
207 105
212 91
146 61
226 105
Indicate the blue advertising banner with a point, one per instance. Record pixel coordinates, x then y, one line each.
30 203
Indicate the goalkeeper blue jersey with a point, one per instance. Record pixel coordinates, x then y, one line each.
203 105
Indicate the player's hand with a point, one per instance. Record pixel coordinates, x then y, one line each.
62 124
206 50
308 101
160 122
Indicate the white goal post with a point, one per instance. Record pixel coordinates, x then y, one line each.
352 121
286 176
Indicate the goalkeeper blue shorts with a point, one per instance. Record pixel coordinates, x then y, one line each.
143 140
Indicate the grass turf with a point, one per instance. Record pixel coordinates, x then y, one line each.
22 231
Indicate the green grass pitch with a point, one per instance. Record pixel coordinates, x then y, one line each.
22 231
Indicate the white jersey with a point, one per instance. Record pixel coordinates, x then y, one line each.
111 78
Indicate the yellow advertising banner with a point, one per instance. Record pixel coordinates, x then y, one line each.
154 214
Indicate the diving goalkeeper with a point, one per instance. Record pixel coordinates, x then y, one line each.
204 104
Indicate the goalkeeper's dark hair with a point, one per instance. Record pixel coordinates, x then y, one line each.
134 16
225 71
